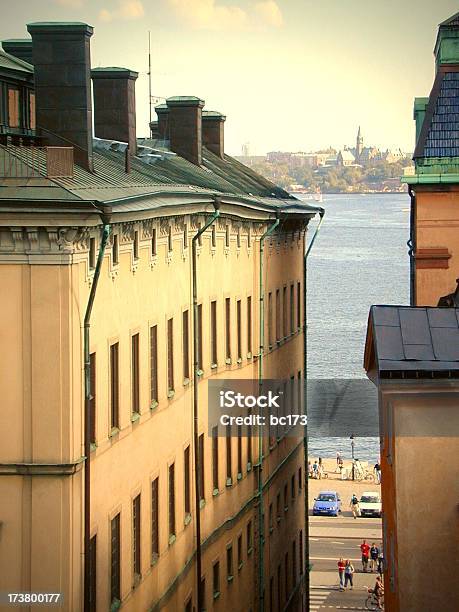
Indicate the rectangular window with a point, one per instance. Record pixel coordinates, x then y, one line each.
114 385
239 450
227 237
300 478
115 559
92 397
199 356
271 594
284 312
298 305
249 325
270 518
228 456
239 329
279 588
270 319
238 237
13 107
286 575
169 239
187 481
216 579
136 245
239 551
228 328
170 355
201 464
186 345
135 374
229 563
155 519
202 587
301 552
249 445
292 308
93 574
215 458
292 492
115 250
172 500
32 120
214 237
278 315
154 364
189 605
249 538
92 253
278 508
154 250
294 563
185 237
213 333
285 498
136 534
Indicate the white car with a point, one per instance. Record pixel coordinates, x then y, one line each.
370 504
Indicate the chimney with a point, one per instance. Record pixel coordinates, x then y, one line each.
447 44
163 121
185 127
154 129
114 104
61 59
19 47
213 132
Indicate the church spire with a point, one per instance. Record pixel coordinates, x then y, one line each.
359 145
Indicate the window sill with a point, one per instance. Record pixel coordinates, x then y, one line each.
200 373
229 482
239 361
135 416
170 394
249 466
115 605
154 559
239 475
187 520
228 361
154 404
239 567
215 492
271 529
285 508
202 503
216 594
93 447
213 366
249 550
137 580
172 539
229 578
249 355
186 382
114 432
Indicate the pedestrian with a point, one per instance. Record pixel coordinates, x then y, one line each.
315 470
310 473
377 472
341 568
365 550
380 561
354 505
374 554
349 574
338 460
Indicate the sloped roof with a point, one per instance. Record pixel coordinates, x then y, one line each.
439 135
402 341
14 63
451 21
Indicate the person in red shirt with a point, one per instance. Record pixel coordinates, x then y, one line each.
341 567
365 550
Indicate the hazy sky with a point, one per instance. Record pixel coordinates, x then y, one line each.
289 74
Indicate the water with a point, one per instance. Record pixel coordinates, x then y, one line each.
360 258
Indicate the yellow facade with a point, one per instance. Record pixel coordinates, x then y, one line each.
46 276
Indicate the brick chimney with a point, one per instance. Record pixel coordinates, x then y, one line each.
185 127
162 113
114 104
213 132
19 47
61 59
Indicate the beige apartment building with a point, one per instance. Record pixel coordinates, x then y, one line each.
99 495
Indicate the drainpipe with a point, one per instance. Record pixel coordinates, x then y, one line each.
305 380
87 410
412 246
196 374
261 535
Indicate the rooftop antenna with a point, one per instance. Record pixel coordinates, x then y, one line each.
149 79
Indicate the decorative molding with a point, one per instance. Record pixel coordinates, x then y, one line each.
432 258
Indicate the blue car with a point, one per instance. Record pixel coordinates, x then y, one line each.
327 503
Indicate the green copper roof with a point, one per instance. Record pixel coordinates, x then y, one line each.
61 26
113 72
213 115
185 101
13 63
18 41
430 179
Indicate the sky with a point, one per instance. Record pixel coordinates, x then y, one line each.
290 75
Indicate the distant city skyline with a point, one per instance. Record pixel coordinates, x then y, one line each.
289 75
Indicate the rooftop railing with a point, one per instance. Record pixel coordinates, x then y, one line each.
36 162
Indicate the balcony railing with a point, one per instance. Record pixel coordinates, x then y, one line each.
36 162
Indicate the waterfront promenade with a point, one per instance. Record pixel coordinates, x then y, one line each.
335 537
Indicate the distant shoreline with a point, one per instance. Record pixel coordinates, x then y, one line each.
325 193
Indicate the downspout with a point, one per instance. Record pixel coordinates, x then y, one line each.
305 383
261 538
412 246
196 364
87 412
